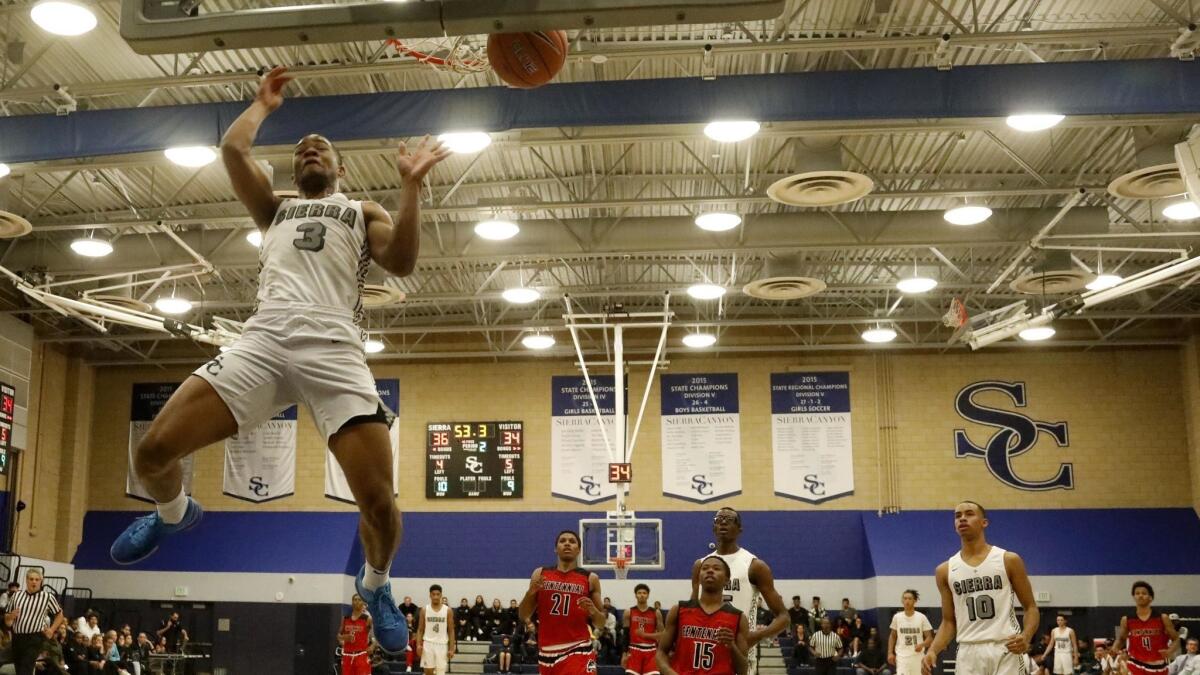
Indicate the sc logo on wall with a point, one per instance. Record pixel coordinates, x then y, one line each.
1015 435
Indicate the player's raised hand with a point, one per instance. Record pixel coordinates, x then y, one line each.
725 637
270 90
412 166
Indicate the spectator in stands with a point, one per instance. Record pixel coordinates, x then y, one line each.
95 656
126 631
843 631
798 613
462 621
816 612
800 651
661 612
1096 664
871 660
89 625
478 613
848 611
75 653
495 617
13 587
504 655
173 631
529 646
610 618
508 618
1187 663
1086 657
858 635
160 647
408 607
513 616
113 665
145 648
826 649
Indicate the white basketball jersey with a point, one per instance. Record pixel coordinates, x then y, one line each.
315 254
437 624
984 606
910 631
739 592
1062 640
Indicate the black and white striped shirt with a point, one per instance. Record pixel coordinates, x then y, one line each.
36 610
825 646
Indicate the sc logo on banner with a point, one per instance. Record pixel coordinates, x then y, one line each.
589 486
1015 435
702 485
258 487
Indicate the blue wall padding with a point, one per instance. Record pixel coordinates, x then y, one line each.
1152 86
797 544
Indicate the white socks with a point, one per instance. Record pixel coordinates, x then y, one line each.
172 512
374 578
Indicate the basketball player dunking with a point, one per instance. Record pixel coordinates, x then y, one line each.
910 636
302 344
355 639
435 634
705 635
1064 647
978 587
642 624
1149 637
568 601
749 578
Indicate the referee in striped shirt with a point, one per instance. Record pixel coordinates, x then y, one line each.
29 614
826 647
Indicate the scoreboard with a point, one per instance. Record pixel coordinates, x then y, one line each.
465 460
8 408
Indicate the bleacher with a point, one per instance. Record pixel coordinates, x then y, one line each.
778 661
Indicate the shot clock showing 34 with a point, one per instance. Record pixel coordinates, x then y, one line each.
474 459
8 409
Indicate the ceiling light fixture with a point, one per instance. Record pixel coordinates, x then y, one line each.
192 156
916 284
1034 121
718 222
4 170
373 346
171 304
1103 281
1037 333
465 142
706 291
497 230
91 247
63 17
731 131
538 341
879 334
521 295
970 214
699 340
255 237
1182 210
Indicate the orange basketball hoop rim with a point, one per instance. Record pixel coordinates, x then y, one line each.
451 53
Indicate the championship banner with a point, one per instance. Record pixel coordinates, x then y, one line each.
260 465
810 435
335 481
579 458
701 436
148 399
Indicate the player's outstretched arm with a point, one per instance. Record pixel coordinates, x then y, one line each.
250 182
394 246
1015 567
663 656
741 646
529 602
948 627
764 580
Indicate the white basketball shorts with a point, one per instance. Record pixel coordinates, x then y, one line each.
988 658
434 657
289 355
909 664
1064 663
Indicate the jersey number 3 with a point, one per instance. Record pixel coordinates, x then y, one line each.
314 236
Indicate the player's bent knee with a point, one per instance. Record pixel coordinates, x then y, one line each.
153 455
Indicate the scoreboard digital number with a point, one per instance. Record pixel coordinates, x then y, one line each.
467 460
8 409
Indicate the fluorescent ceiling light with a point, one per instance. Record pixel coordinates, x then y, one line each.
705 291
373 346
4 170
731 131
1034 121
193 156
718 222
538 341
62 17
170 304
223 348
91 247
916 285
971 214
521 295
1036 333
879 334
497 230
1185 210
699 340
1103 281
254 237
465 142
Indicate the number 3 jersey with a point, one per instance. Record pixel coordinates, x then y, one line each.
984 607
698 651
315 255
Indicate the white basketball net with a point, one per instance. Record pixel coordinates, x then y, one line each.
460 54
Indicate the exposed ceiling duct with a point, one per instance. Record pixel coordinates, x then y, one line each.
11 225
1052 273
782 280
821 178
1157 175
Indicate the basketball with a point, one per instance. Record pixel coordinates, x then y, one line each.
527 60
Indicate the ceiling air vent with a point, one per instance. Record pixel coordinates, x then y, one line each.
374 296
782 280
822 179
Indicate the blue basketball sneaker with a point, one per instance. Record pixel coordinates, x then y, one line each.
140 540
391 631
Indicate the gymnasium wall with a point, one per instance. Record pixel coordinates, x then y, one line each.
1191 395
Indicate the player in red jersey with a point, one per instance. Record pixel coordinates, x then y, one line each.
355 639
641 624
706 636
1151 637
567 600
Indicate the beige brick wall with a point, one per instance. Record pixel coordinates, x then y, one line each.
1191 394
1129 435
